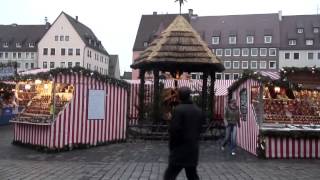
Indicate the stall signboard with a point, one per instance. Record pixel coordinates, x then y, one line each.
96 107
7 71
243 104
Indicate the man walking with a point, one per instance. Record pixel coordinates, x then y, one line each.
184 132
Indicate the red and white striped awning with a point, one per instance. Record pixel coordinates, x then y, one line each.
272 74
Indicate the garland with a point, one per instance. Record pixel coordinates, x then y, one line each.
249 74
75 70
291 70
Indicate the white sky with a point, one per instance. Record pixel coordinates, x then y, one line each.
116 22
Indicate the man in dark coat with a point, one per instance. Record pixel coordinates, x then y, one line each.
184 132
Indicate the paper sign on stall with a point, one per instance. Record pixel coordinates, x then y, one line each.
96 106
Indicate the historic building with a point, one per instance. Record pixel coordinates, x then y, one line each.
70 43
19 43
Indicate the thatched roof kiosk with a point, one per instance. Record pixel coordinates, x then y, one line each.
179 48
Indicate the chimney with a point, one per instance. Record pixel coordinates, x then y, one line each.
45 20
77 18
280 15
154 13
190 12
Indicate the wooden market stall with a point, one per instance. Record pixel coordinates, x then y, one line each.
70 108
279 119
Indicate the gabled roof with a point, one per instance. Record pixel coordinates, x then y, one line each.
23 34
151 26
86 34
179 47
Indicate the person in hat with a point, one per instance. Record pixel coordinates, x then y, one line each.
231 117
184 132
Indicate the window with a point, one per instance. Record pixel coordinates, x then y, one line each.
18 65
272 65
32 55
263 51
244 64
53 51
78 64
250 39
61 38
27 65
14 55
296 56
263 64
232 40
78 52
254 51
218 76
300 30
235 76
45 65
6 55
236 52
226 76
315 30
254 65
227 52
62 64
245 52
5 44
319 56
236 65
145 44
215 40
286 55
18 45
70 51
56 38
31 45
19 55
88 66
51 65
292 42
193 76
67 38
45 51
309 42
310 56
227 64
69 64
1 55
267 39
219 52
31 65
63 51
272 52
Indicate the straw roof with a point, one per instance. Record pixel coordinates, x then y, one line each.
179 47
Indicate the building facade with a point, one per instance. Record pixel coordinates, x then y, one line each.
19 43
300 41
70 43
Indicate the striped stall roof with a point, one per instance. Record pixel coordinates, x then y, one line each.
272 74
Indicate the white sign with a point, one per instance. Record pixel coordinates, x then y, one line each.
96 106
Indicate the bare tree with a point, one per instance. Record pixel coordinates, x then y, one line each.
180 3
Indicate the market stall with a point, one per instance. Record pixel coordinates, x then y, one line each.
69 108
279 119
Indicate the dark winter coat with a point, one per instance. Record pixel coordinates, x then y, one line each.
184 134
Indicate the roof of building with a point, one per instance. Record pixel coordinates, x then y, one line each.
257 25
86 34
178 47
151 26
113 64
127 75
23 34
289 26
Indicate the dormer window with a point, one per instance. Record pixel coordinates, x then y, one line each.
5 44
18 45
31 45
232 40
315 30
300 30
145 44
309 42
250 39
267 39
292 42
89 41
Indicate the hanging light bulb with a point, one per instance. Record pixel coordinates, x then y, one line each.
46 86
277 89
37 81
27 86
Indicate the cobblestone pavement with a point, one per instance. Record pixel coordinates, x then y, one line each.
145 160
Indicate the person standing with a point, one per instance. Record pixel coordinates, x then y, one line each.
184 132
232 118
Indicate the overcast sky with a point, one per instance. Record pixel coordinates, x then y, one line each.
116 22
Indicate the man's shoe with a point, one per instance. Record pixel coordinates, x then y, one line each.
233 153
222 148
